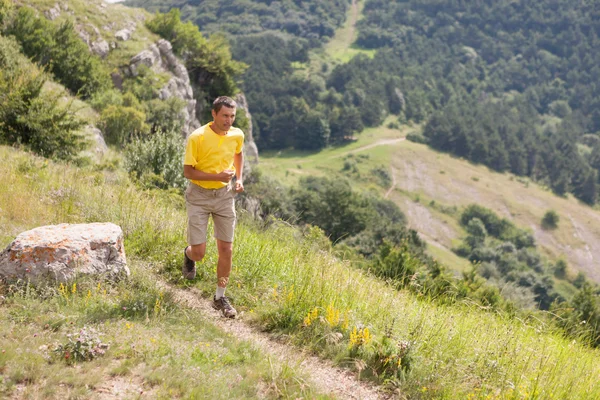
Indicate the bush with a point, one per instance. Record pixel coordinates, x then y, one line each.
29 117
560 268
332 205
550 220
383 176
6 8
165 115
147 84
102 100
157 161
417 138
59 48
121 124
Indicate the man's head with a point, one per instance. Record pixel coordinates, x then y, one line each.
223 101
223 113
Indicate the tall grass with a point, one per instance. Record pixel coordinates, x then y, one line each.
287 281
150 347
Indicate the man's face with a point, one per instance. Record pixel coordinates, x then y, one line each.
224 118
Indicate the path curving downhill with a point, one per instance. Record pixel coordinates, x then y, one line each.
325 377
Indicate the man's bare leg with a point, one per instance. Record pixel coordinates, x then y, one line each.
192 255
196 252
225 250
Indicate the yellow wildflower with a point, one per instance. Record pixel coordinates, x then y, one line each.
311 316
290 295
353 337
332 316
366 335
345 320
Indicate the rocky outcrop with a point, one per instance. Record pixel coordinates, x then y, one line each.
160 58
100 148
250 149
56 10
123 35
92 37
62 252
100 47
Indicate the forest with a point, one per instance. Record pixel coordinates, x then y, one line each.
531 67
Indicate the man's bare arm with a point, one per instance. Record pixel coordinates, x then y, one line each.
192 173
238 163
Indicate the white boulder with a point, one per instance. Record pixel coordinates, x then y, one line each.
62 252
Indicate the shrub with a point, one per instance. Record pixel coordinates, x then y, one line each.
417 138
6 8
74 66
165 115
121 124
30 117
550 220
59 48
157 161
560 268
395 263
147 84
383 176
102 100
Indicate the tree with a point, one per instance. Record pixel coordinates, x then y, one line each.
550 220
313 132
31 117
477 233
331 205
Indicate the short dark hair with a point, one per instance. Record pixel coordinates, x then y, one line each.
223 101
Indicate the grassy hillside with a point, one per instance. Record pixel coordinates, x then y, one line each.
432 187
284 281
453 182
341 47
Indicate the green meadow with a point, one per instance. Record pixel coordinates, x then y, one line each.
285 281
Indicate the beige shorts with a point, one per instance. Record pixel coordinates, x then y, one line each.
201 203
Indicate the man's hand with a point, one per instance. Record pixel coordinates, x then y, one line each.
226 175
239 186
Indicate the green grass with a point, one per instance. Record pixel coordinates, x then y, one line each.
290 165
156 347
341 47
285 281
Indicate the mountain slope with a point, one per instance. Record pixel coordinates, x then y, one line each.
283 277
452 182
432 187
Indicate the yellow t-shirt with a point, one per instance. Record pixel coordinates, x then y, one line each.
208 152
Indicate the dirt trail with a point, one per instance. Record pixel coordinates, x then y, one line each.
393 186
325 377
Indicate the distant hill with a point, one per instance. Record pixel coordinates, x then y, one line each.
503 83
312 19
